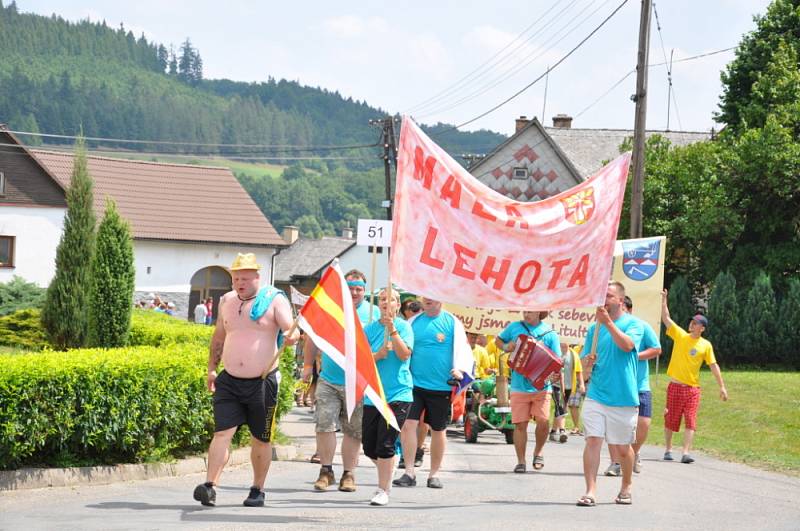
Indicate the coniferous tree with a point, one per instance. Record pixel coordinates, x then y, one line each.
681 308
788 334
113 278
163 58
723 314
64 315
758 322
173 62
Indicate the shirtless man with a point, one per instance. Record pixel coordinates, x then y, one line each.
246 391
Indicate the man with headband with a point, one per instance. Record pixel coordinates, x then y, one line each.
331 407
246 340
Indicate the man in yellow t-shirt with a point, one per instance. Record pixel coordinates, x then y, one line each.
689 353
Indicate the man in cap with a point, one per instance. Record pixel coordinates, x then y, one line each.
689 352
246 339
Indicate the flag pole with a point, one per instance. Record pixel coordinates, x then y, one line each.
390 295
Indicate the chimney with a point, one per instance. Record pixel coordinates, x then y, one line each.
520 123
562 121
290 234
347 232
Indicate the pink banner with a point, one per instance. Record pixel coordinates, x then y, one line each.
458 241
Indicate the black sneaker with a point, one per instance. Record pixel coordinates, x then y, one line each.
418 458
405 481
435 483
687 459
402 463
255 498
205 494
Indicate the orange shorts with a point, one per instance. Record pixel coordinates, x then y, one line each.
527 405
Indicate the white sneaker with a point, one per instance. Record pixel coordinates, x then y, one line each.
637 464
381 498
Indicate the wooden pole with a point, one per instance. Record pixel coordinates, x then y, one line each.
637 190
372 281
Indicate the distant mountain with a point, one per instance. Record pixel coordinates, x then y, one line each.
58 77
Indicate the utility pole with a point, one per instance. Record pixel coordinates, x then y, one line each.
640 98
389 157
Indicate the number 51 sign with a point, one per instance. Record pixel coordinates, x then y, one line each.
374 232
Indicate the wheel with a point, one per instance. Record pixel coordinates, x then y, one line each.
509 433
471 428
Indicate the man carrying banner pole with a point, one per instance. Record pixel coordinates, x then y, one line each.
441 352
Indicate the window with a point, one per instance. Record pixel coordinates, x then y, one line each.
6 251
2 184
520 173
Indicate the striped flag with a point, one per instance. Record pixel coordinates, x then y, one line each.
330 319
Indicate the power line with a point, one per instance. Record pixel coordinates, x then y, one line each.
529 85
526 61
669 71
449 90
606 93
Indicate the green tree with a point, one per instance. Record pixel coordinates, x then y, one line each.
758 322
681 308
113 278
309 226
788 324
18 294
723 313
64 315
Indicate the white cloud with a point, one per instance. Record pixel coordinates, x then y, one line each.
352 26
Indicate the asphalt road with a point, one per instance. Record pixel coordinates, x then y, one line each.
480 492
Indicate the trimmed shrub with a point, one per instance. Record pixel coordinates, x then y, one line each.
788 333
23 329
64 313
681 309
287 366
758 322
113 278
723 313
103 406
156 329
18 294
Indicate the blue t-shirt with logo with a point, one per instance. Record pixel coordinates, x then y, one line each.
541 332
614 373
395 373
649 340
331 372
432 360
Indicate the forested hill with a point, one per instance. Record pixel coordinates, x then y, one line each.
58 76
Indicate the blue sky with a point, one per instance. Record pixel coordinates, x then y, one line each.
398 55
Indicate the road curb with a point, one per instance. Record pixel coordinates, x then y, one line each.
38 478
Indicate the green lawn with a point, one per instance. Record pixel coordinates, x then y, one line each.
253 169
759 424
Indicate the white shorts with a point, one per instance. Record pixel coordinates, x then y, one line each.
617 425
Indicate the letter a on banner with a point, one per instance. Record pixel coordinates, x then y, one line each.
456 240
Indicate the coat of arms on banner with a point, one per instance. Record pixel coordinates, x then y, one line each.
640 259
578 207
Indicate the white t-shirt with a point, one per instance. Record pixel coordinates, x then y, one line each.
200 313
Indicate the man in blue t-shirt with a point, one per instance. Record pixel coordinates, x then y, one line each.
392 355
612 402
435 337
526 400
331 406
650 348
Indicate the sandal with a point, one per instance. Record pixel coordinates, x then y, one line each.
586 501
315 459
520 468
623 499
538 462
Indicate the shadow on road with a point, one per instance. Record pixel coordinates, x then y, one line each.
207 514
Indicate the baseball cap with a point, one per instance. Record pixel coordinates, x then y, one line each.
700 319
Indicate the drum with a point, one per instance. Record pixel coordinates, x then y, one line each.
534 360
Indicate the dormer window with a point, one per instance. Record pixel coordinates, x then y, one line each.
520 173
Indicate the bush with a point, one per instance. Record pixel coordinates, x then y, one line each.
788 334
23 329
156 329
287 366
103 406
758 322
17 294
724 330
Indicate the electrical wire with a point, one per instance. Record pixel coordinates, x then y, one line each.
668 68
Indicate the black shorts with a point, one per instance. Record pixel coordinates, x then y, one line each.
250 401
435 404
377 436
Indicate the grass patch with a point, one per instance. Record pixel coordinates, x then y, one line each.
759 425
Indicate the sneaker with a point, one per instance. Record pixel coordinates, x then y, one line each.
435 483
325 480
613 470
205 494
255 498
668 456
348 482
552 437
405 481
637 464
418 457
687 459
562 436
380 499
401 463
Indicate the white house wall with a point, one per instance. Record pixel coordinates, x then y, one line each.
37 231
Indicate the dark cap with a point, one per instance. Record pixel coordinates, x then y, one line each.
700 319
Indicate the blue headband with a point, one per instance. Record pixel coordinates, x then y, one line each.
357 283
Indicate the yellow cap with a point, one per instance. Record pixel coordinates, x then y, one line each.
245 261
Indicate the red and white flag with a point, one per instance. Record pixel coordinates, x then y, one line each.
456 240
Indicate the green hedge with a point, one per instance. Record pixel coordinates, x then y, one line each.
94 406
155 329
23 329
